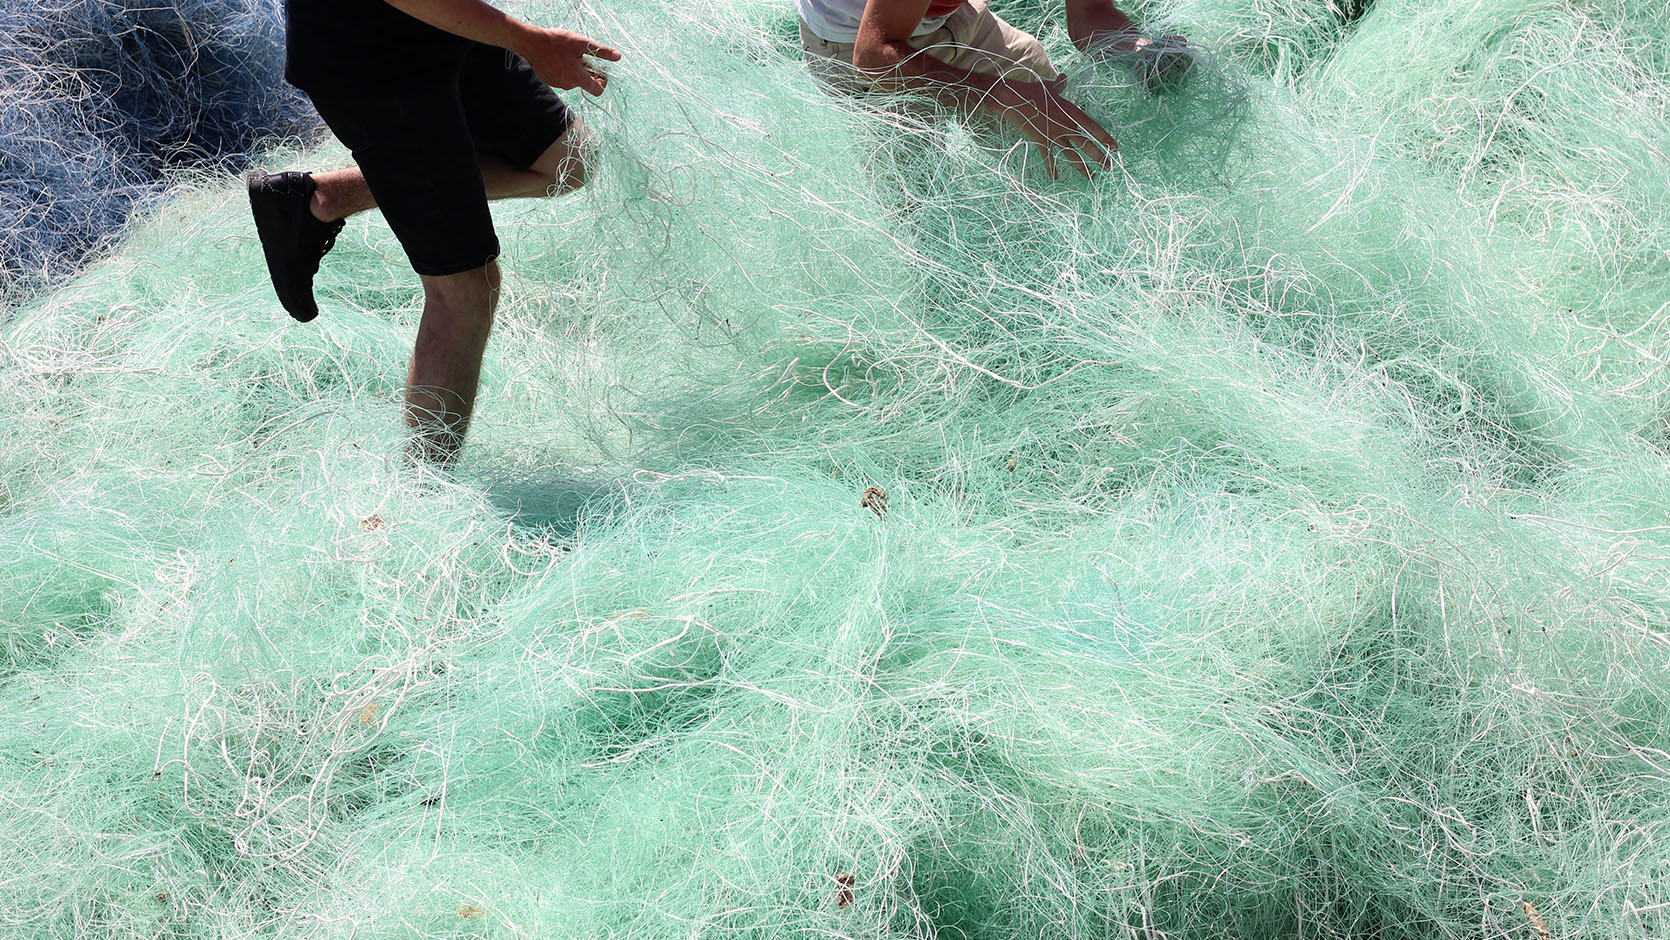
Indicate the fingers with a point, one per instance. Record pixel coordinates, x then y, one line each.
1078 149
1091 138
1076 158
1104 140
1045 144
1088 146
1087 153
1054 122
601 51
1074 146
594 80
1048 153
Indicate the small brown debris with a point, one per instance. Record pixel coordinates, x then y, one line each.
1537 923
162 896
843 896
1009 465
368 714
875 500
372 523
470 912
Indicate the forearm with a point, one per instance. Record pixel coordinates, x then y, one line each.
1093 23
897 66
471 19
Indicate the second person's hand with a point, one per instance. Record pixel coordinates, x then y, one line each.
1040 112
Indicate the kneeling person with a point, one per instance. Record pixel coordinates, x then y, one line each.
445 105
966 57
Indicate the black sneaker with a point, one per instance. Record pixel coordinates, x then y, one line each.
294 241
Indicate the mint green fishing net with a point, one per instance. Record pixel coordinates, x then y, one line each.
1274 536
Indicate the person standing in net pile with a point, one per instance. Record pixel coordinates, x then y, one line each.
966 57
445 105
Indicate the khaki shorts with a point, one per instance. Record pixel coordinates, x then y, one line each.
972 38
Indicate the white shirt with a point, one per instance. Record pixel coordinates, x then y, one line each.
837 20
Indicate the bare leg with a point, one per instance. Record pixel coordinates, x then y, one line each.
560 169
446 360
339 194
457 309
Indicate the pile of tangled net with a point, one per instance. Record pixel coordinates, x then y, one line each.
100 99
865 536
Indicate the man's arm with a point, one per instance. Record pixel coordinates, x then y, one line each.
881 51
1098 23
1033 108
557 55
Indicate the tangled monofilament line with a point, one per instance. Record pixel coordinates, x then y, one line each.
863 535
101 99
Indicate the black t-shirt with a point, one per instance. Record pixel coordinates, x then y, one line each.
352 43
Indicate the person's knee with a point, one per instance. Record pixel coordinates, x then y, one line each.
571 174
567 162
468 298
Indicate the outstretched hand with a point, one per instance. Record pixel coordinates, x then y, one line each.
1040 112
560 59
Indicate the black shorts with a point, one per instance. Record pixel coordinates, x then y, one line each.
416 141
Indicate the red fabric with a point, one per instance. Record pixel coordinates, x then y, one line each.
942 7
